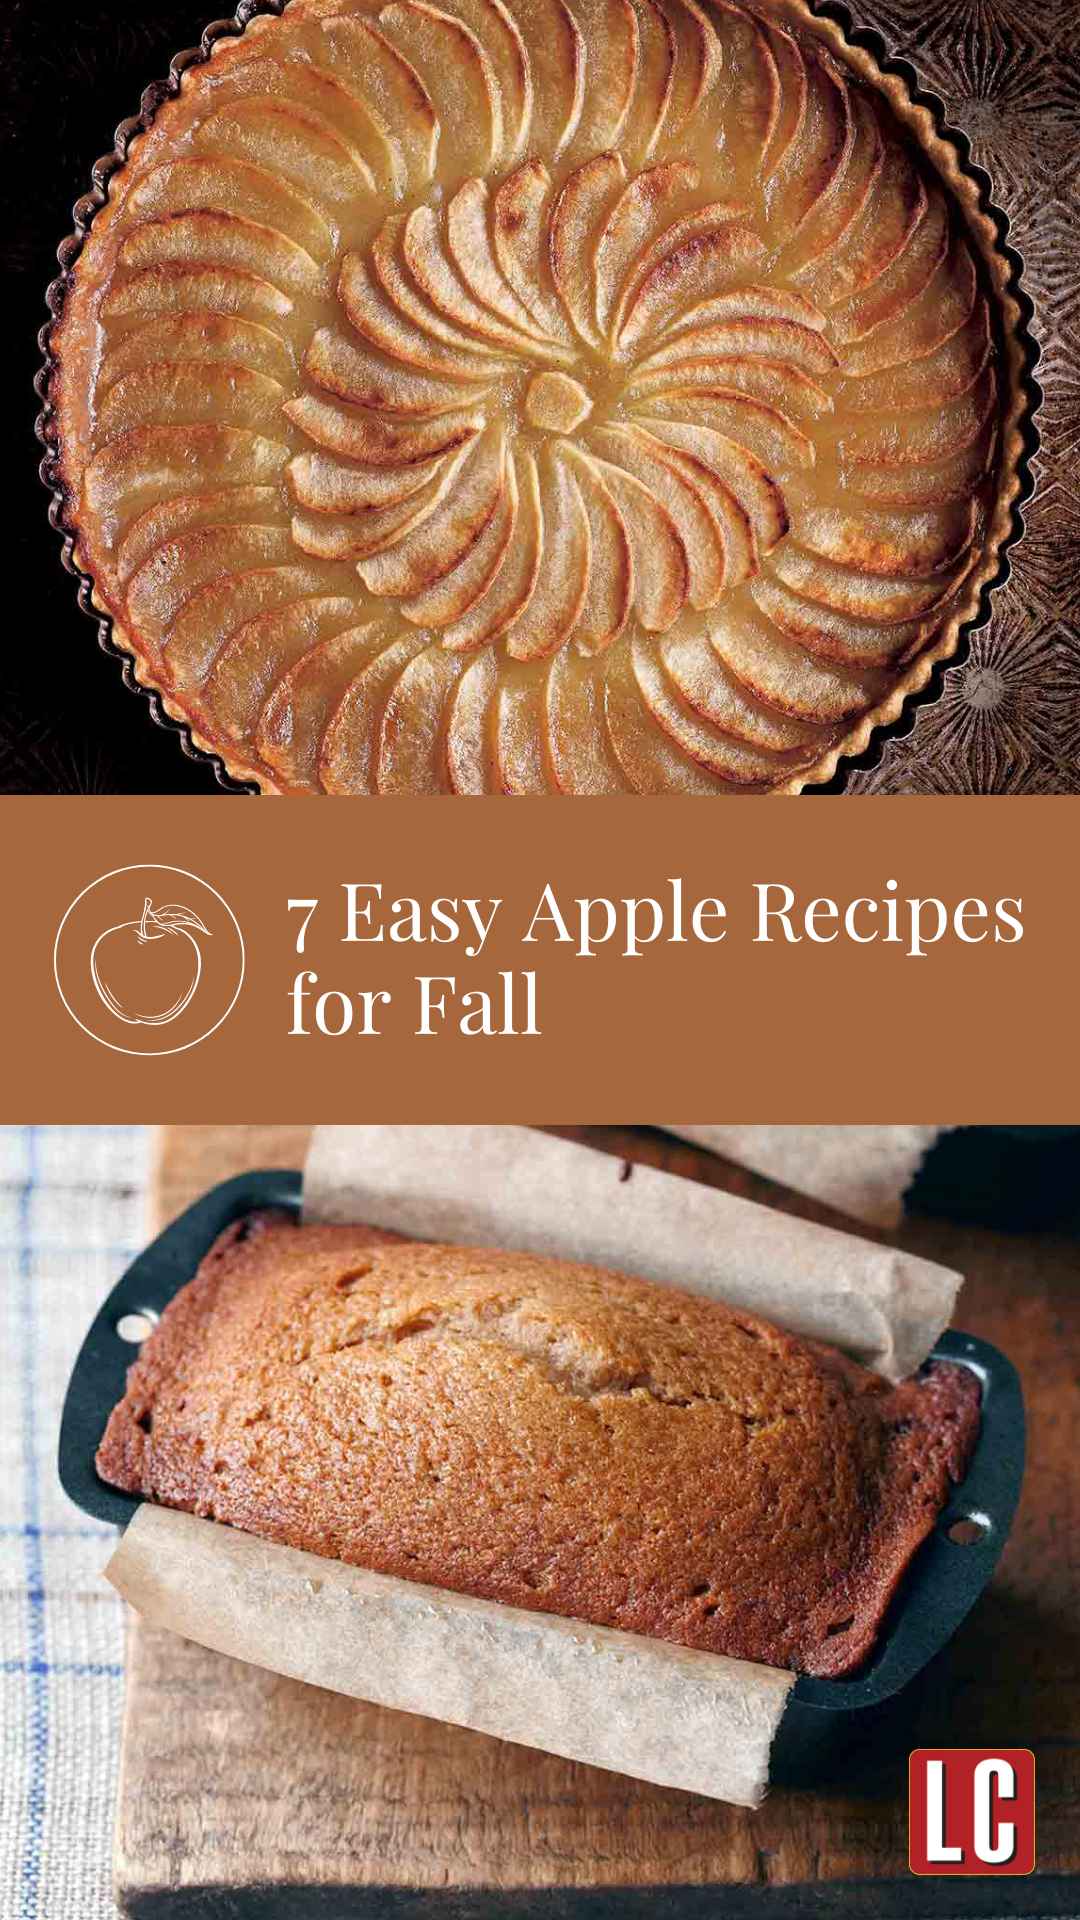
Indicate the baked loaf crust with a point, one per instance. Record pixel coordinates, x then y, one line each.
545 1434
588 396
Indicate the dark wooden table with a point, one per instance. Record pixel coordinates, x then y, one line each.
1009 720
247 1795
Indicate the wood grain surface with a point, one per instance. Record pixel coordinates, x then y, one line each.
244 1794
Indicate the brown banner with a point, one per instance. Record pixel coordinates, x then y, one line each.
883 961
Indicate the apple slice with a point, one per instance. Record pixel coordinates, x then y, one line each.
609 29
894 208
459 76
792 92
940 310
834 636
519 238
399 336
348 757
470 248
326 485
783 341
902 282
655 81
933 484
168 393
231 186
451 598
831 218
761 304
747 98
630 229
159 588
175 289
498 32
403 293
382 77
661 567
760 429
428 553
364 531
611 569
814 160
558 597
515 583
911 545
469 728
647 757
732 463
915 438
784 675
768 380
576 732
517 720
206 620
307 72
934 380
186 512
709 688
293 725
865 596
424 256
412 754
557 54
700 267
300 145
225 241
718 753
698 60
702 539
578 212
740 546
261 651
352 372
199 337
358 435
149 464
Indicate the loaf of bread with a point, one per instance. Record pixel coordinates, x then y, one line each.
544 1434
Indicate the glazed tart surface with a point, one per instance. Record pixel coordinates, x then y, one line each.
581 396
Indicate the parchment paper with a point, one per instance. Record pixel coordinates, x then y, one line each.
863 1171
512 1187
639 1706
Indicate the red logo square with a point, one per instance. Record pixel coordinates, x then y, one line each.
971 1810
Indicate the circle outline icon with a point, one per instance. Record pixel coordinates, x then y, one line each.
140 1053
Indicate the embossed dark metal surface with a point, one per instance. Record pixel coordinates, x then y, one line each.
1008 716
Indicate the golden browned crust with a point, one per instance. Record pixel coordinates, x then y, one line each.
544 1434
646 718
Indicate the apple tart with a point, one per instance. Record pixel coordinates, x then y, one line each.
521 396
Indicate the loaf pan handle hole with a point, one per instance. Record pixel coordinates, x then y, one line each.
967 1529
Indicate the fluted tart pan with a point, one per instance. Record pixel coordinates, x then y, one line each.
576 396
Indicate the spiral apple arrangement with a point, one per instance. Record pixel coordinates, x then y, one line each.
146 971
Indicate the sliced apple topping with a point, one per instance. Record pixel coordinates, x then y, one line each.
354 373
349 754
468 727
458 75
260 652
294 732
782 674
531 396
559 594
200 336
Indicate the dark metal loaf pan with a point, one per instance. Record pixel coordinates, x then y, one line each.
824 1719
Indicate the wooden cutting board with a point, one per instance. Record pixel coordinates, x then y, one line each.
244 1794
